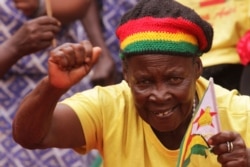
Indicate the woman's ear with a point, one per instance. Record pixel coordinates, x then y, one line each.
125 75
198 67
125 71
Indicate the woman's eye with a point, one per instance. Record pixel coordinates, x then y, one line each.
175 80
144 82
142 85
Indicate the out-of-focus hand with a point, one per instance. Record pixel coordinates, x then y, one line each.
28 7
34 35
230 148
104 72
70 62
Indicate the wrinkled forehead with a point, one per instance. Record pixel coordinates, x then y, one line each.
156 60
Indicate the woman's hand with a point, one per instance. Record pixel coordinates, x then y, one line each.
34 35
230 148
70 62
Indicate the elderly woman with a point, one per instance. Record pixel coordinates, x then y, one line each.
142 120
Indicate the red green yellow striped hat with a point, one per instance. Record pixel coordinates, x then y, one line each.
148 33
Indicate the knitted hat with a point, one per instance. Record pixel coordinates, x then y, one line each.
163 27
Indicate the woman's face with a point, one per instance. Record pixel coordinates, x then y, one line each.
163 88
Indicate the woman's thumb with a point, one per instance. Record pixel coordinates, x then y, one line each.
95 54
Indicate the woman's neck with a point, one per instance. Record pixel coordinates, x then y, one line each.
172 140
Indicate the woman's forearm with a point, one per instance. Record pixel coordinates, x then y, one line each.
8 57
33 118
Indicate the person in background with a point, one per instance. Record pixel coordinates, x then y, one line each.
243 48
35 35
86 12
26 36
110 13
142 120
230 20
105 71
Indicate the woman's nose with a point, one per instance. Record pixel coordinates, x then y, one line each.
160 93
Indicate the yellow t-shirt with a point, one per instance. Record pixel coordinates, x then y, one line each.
112 125
230 20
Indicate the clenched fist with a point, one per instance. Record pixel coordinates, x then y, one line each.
70 62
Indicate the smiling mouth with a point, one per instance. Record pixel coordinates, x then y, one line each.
163 114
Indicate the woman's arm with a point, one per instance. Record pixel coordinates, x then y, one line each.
42 123
104 72
34 35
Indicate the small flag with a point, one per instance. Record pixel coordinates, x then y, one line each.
204 124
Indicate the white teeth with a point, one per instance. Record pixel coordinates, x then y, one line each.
162 114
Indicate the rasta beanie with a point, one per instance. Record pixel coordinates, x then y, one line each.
163 27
